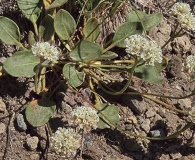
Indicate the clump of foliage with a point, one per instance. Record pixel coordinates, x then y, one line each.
79 60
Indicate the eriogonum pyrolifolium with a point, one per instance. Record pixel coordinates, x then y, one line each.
185 18
85 117
66 142
146 49
46 51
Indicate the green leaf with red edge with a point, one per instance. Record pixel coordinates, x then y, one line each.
38 112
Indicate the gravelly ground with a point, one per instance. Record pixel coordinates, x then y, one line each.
137 115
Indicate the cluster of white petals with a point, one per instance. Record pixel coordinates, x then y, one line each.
144 48
190 61
185 18
46 51
66 142
85 117
180 8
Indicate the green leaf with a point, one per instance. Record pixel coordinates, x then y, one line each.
21 64
86 51
91 30
148 20
38 112
74 77
64 25
31 8
151 74
46 28
109 115
31 38
108 55
9 31
125 30
57 3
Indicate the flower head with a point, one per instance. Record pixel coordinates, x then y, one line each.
66 142
144 48
45 51
185 18
85 117
180 8
190 60
187 21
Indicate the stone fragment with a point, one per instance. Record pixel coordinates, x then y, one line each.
145 125
20 122
2 106
34 156
181 44
2 128
32 142
176 156
150 113
185 103
137 105
157 133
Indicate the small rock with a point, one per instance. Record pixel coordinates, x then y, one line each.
137 105
176 155
164 156
145 125
2 128
185 103
150 113
32 142
43 144
34 156
157 133
174 66
21 124
2 106
181 44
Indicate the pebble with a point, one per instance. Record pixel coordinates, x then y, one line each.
2 128
21 124
176 155
34 156
150 113
32 142
185 103
145 125
138 106
2 106
157 133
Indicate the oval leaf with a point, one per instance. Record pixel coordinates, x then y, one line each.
21 64
109 115
64 25
91 30
148 20
151 74
31 38
46 28
74 77
125 30
108 55
31 8
86 51
38 112
9 31
57 3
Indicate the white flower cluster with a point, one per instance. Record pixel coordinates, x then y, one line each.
46 51
185 18
144 48
85 117
190 60
66 142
